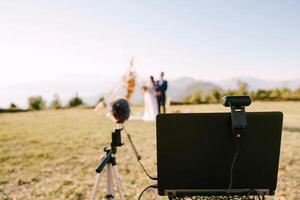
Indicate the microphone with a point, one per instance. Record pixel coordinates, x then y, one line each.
120 110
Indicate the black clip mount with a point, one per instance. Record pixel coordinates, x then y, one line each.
238 113
116 141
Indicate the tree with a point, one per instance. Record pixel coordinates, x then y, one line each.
13 106
75 101
55 103
286 94
36 103
296 94
194 98
275 94
242 87
215 95
262 94
228 93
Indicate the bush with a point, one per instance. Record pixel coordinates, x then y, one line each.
55 103
213 97
194 98
12 109
286 94
276 94
36 103
75 101
13 106
228 93
296 94
242 88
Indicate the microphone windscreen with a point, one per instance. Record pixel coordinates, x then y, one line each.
120 110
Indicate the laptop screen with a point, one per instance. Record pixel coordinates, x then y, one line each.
195 153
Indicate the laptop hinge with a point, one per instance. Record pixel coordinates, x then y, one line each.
213 191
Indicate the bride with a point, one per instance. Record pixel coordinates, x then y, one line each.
150 101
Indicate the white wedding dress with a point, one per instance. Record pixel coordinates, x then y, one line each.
150 103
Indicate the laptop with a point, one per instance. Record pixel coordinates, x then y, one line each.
195 153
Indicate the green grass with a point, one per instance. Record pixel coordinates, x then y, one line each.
53 154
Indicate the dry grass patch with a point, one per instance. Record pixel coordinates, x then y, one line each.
53 154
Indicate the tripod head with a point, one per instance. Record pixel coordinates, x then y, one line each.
116 139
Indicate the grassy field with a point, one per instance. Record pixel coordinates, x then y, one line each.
53 154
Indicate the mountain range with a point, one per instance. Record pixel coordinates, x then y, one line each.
90 91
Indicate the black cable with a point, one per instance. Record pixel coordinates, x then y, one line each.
232 167
150 186
138 157
152 178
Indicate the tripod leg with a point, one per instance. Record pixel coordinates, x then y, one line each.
118 180
94 192
110 191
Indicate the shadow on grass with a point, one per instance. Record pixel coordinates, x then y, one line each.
291 129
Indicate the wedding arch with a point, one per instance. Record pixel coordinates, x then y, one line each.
128 85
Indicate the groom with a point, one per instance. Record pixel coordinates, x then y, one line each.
161 88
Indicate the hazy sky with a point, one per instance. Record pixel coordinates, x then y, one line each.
210 40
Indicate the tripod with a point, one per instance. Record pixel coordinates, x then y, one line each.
109 160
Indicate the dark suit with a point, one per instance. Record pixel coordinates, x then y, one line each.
161 98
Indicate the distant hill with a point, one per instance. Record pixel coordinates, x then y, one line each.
182 87
177 86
